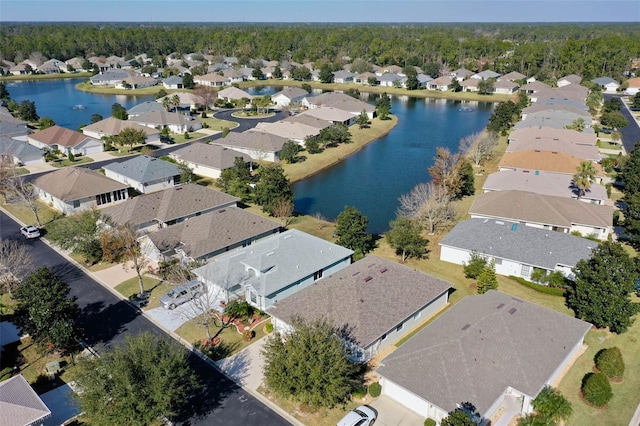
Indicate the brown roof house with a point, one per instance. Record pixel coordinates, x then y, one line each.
547 161
493 350
339 101
208 160
112 126
150 212
175 122
208 235
376 300
545 211
74 189
65 140
20 405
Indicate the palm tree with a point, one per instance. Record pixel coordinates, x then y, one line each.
550 404
175 101
166 103
584 177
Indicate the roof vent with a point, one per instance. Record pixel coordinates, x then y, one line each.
500 306
514 227
383 270
221 211
466 326
368 278
512 311
355 273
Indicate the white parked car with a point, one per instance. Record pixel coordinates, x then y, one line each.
361 416
30 231
182 294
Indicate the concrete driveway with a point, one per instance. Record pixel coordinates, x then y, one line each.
245 367
391 413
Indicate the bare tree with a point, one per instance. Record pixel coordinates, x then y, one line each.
479 146
321 221
283 209
444 171
18 190
16 262
429 204
208 95
120 244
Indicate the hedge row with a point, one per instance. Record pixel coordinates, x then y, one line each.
537 287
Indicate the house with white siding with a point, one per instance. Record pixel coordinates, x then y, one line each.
208 160
57 138
144 174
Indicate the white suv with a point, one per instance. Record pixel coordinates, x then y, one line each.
361 416
182 294
30 231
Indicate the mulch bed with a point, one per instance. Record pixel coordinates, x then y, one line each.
603 407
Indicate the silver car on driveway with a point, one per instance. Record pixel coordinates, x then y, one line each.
182 294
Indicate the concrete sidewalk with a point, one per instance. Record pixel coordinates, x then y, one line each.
245 367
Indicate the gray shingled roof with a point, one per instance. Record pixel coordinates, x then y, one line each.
18 149
531 246
74 183
213 231
144 169
481 346
167 205
19 403
340 101
214 156
252 139
145 107
371 297
282 259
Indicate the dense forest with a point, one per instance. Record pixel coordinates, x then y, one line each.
542 50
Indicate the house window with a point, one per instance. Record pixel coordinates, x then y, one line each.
417 315
253 297
384 336
497 261
525 271
317 275
399 327
76 204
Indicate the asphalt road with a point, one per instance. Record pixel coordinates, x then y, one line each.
631 132
106 320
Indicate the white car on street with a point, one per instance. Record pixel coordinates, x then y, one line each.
30 231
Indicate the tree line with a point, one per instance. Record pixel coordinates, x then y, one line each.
545 51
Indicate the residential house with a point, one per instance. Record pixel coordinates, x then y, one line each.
574 92
136 82
485 75
534 87
20 69
176 123
231 94
546 212
208 160
470 85
288 95
505 87
389 69
173 82
150 212
311 120
544 183
576 144
339 101
331 115
343 76
53 66
290 130
260 146
144 174
569 79
186 101
493 350
19 152
11 127
515 249
391 80
544 106
73 189
512 76
607 84
208 235
364 78
21 405
145 107
76 63
547 161
377 300
274 268
633 86
461 74
65 140
555 119
110 127
211 80
109 78
442 83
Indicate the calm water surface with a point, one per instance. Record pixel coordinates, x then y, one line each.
371 180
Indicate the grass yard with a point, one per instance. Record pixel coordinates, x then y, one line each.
306 415
248 115
179 137
155 287
25 215
231 342
625 394
93 268
609 145
65 162
314 163
217 124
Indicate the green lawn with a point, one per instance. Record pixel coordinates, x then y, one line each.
155 287
609 145
25 215
217 124
179 137
65 162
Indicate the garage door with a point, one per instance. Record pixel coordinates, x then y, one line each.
410 400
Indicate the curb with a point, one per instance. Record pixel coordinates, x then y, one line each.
285 415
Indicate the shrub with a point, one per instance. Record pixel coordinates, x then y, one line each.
359 392
375 389
475 265
596 389
609 361
269 328
248 334
429 422
538 287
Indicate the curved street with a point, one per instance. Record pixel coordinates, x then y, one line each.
630 132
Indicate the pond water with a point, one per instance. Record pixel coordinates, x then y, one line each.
371 180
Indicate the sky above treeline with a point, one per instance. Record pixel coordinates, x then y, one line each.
308 11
